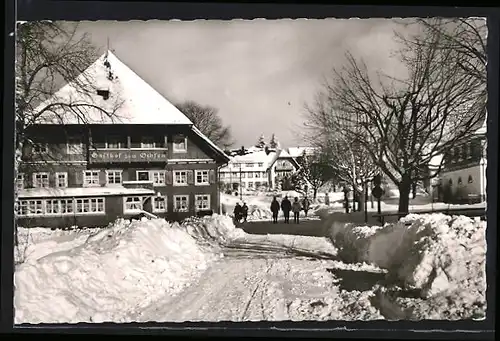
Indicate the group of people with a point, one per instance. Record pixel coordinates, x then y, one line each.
240 212
287 206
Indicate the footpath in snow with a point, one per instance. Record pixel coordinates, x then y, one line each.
426 266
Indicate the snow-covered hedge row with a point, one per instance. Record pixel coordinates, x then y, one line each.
110 274
436 254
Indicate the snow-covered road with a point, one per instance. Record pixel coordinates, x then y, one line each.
275 281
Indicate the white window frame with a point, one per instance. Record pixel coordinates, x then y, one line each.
180 197
198 198
161 174
114 172
202 172
250 184
261 164
97 206
92 173
159 210
176 149
174 180
143 171
43 148
126 205
73 148
249 165
93 205
65 183
35 183
20 181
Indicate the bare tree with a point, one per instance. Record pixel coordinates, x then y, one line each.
48 56
207 119
314 171
403 123
348 160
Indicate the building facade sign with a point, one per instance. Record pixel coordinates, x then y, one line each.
104 156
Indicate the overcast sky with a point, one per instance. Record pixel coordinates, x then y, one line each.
257 73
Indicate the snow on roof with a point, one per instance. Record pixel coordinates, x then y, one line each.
298 151
210 143
256 157
82 192
132 100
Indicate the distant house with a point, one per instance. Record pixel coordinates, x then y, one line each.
149 159
463 177
248 171
281 166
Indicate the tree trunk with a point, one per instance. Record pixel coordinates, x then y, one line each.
360 199
315 192
404 196
414 190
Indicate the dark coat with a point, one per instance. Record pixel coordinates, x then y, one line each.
237 210
275 206
244 210
286 205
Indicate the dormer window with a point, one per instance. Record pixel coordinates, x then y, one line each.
103 93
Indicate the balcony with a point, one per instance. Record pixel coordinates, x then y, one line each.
124 155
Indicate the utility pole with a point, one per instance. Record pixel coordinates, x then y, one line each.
241 189
365 185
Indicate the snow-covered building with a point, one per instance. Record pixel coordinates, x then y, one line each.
249 171
463 177
147 157
282 165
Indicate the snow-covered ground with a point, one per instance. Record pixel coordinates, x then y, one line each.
206 269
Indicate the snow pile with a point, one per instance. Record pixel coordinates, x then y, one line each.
212 230
441 257
111 274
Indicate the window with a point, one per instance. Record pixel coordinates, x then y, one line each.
181 203
179 144
147 142
202 202
75 146
52 207
158 178
91 178
450 182
249 165
250 175
159 204
67 206
257 184
470 179
61 179
250 185
243 175
261 164
142 175
459 180
257 174
103 93
202 177
114 177
180 178
40 148
234 174
60 206
40 180
115 142
89 205
132 204
20 181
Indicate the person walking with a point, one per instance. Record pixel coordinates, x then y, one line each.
286 207
305 206
296 207
237 212
275 208
244 212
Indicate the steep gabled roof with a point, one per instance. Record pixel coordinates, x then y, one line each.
131 99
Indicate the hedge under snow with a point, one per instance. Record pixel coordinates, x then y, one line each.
441 257
70 280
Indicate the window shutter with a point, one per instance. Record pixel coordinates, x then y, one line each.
169 177
190 177
102 178
79 177
211 176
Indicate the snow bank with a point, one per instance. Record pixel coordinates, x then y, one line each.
110 274
435 254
